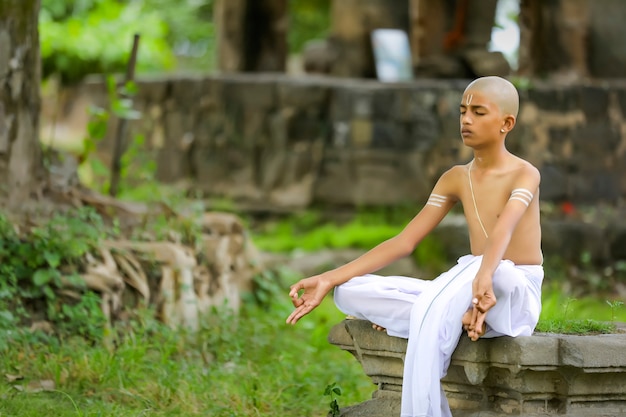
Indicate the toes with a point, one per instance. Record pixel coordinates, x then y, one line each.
467 318
377 327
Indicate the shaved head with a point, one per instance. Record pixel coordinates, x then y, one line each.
500 91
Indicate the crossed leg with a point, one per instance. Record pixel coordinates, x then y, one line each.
386 302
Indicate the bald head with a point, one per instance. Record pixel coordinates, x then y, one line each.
500 91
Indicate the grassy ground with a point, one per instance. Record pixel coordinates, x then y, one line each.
250 365
254 365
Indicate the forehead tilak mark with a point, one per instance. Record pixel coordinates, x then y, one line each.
468 99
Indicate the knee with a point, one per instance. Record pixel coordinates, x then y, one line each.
344 294
508 280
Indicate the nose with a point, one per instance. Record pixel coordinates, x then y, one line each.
465 118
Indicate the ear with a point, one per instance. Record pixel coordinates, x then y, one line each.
508 123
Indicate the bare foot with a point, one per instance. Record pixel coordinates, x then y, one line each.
467 319
379 328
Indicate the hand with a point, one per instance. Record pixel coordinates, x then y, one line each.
315 289
483 300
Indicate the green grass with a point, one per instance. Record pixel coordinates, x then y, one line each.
308 231
252 365
562 313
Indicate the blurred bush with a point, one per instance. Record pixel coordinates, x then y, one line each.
308 20
81 37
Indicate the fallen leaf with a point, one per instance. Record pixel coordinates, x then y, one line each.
12 378
41 385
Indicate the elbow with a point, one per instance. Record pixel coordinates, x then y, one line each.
403 247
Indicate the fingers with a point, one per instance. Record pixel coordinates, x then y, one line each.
296 300
298 313
293 292
479 327
474 315
480 306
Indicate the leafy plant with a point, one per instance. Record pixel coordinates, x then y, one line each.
333 391
614 306
37 263
566 319
136 165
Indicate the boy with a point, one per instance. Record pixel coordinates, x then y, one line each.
494 291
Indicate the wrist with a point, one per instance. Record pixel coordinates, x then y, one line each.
483 276
329 280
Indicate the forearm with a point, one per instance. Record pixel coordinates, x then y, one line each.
373 260
494 251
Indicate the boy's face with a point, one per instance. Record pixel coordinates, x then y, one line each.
481 119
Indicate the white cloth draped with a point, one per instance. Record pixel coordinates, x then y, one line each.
429 314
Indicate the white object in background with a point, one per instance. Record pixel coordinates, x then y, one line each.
392 54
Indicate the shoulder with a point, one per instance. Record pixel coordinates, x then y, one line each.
526 176
450 181
453 175
528 170
455 172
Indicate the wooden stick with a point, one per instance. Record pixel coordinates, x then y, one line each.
118 148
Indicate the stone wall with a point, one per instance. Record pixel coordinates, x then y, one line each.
272 139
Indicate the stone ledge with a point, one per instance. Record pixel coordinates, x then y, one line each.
539 375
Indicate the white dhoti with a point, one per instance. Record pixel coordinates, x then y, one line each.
429 314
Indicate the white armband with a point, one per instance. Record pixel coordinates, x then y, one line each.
523 195
436 200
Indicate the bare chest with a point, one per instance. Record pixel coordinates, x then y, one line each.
484 196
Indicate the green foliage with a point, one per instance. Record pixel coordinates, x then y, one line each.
614 306
430 255
584 276
580 327
36 264
191 33
308 231
333 391
564 314
267 286
245 365
95 36
309 20
136 165
85 37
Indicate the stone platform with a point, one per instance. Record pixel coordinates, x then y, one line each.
539 375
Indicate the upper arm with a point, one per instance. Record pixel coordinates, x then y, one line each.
440 201
524 193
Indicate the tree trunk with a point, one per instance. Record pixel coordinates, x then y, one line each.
21 165
554 38
229 21
252 35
